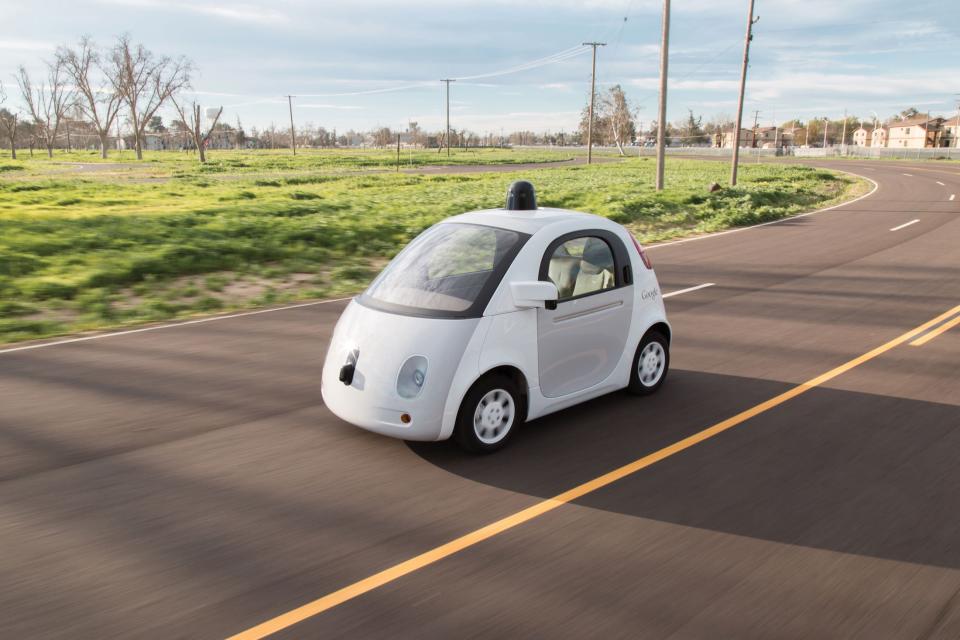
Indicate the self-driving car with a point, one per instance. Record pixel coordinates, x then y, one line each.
492 318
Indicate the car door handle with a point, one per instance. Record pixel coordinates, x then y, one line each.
587 312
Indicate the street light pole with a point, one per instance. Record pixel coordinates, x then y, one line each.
956 131
593 91
843 136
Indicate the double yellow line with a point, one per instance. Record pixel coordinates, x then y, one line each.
436 554
930 335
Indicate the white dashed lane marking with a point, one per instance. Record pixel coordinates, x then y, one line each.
905 224
688 289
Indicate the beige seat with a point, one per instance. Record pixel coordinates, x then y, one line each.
596 268
563 272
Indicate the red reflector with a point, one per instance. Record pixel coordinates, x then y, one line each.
643 254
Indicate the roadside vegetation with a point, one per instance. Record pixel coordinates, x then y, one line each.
84 250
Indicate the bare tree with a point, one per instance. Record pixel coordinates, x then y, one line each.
618 116
382 136
98 98
194 123
144 82
8 124
47 102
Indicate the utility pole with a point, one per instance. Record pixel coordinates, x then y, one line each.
756 118
293 134
743 86
593 87
662 108
826 127
843 136
448 81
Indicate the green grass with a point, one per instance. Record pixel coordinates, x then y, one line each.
81 252
227 164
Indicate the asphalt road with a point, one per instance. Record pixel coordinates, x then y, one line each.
187 482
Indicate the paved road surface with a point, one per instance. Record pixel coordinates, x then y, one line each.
187 482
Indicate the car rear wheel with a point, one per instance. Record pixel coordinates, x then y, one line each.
490 414
650 364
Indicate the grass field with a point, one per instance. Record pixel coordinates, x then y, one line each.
177 164
85 250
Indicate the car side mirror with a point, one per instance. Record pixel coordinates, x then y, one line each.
534 294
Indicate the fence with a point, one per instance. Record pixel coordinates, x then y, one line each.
838 151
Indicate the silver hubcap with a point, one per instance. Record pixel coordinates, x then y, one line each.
651 363
493 416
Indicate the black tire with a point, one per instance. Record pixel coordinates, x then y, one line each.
483 437
643 379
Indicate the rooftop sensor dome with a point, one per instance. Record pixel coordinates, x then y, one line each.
521 197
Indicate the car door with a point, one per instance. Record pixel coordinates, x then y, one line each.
581 339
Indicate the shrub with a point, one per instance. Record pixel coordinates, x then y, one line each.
47 287
18 264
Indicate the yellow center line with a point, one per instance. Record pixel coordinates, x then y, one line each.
924 339
436 554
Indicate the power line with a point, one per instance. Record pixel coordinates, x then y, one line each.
533 64
560 56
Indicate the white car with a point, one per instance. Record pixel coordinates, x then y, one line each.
492 318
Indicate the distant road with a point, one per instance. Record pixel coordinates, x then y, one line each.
187 481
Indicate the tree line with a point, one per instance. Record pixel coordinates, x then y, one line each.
98 83
85 89
94 86
618 122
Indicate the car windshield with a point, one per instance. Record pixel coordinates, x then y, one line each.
449 268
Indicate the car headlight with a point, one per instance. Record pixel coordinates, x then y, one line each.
412 377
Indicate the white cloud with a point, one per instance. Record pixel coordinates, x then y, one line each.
26 46
251 13
344 107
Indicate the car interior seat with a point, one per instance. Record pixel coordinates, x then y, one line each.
563 271
596 268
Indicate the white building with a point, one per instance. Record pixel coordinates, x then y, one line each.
918 132
863 137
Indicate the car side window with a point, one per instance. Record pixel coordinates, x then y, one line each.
581 266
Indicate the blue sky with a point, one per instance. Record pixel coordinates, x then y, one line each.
810 58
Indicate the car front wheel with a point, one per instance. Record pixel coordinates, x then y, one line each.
490 414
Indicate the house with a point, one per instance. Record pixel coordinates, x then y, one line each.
863 136
949 131
918 132
792 136
746 138
769 137
878 137
154 142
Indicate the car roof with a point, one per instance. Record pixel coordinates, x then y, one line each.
531 221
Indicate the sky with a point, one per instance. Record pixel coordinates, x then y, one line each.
809 58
